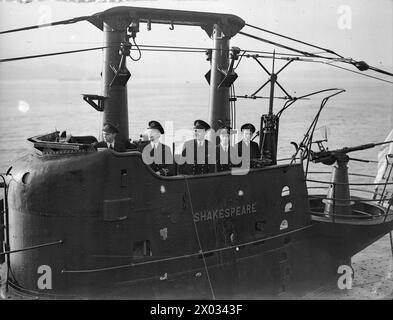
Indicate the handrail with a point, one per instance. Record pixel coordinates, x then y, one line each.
349 199
377 197
371 217
351 184
349 173
351 189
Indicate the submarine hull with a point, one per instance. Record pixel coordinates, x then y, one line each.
103 225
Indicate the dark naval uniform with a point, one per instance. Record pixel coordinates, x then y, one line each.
223 153
223 158
116 145
162 158
253 152
160 153
200 162
254 149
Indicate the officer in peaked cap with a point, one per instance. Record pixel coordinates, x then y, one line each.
198 151
246 148
155 125
111 140
155 153
202 125
224 150
109 128
248 126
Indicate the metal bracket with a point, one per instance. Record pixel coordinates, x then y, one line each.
121 73
121 76
89 98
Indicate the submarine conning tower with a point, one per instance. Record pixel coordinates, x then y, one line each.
119 24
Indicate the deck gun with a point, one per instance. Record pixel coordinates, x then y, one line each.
329 157
338 199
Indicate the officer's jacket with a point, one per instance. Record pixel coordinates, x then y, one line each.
162 158
223 159
200 161
119 145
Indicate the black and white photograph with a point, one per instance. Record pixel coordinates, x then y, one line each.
210 152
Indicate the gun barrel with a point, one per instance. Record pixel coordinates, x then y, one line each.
357 148
328 154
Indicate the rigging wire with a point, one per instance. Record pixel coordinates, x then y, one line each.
293 39
288 103
234 105
357 72
92 49
304 53
144 48
54 54
330 63
157 48
361 65
240 59
68 21
231 105
199 240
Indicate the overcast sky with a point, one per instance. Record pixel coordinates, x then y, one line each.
361 29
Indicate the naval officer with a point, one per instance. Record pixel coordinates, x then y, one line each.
224 150
111 140
247 149
155 153
198 152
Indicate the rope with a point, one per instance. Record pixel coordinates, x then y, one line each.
199 241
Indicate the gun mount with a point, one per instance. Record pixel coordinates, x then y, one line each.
338 197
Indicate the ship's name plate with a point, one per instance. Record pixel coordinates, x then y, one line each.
222 213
